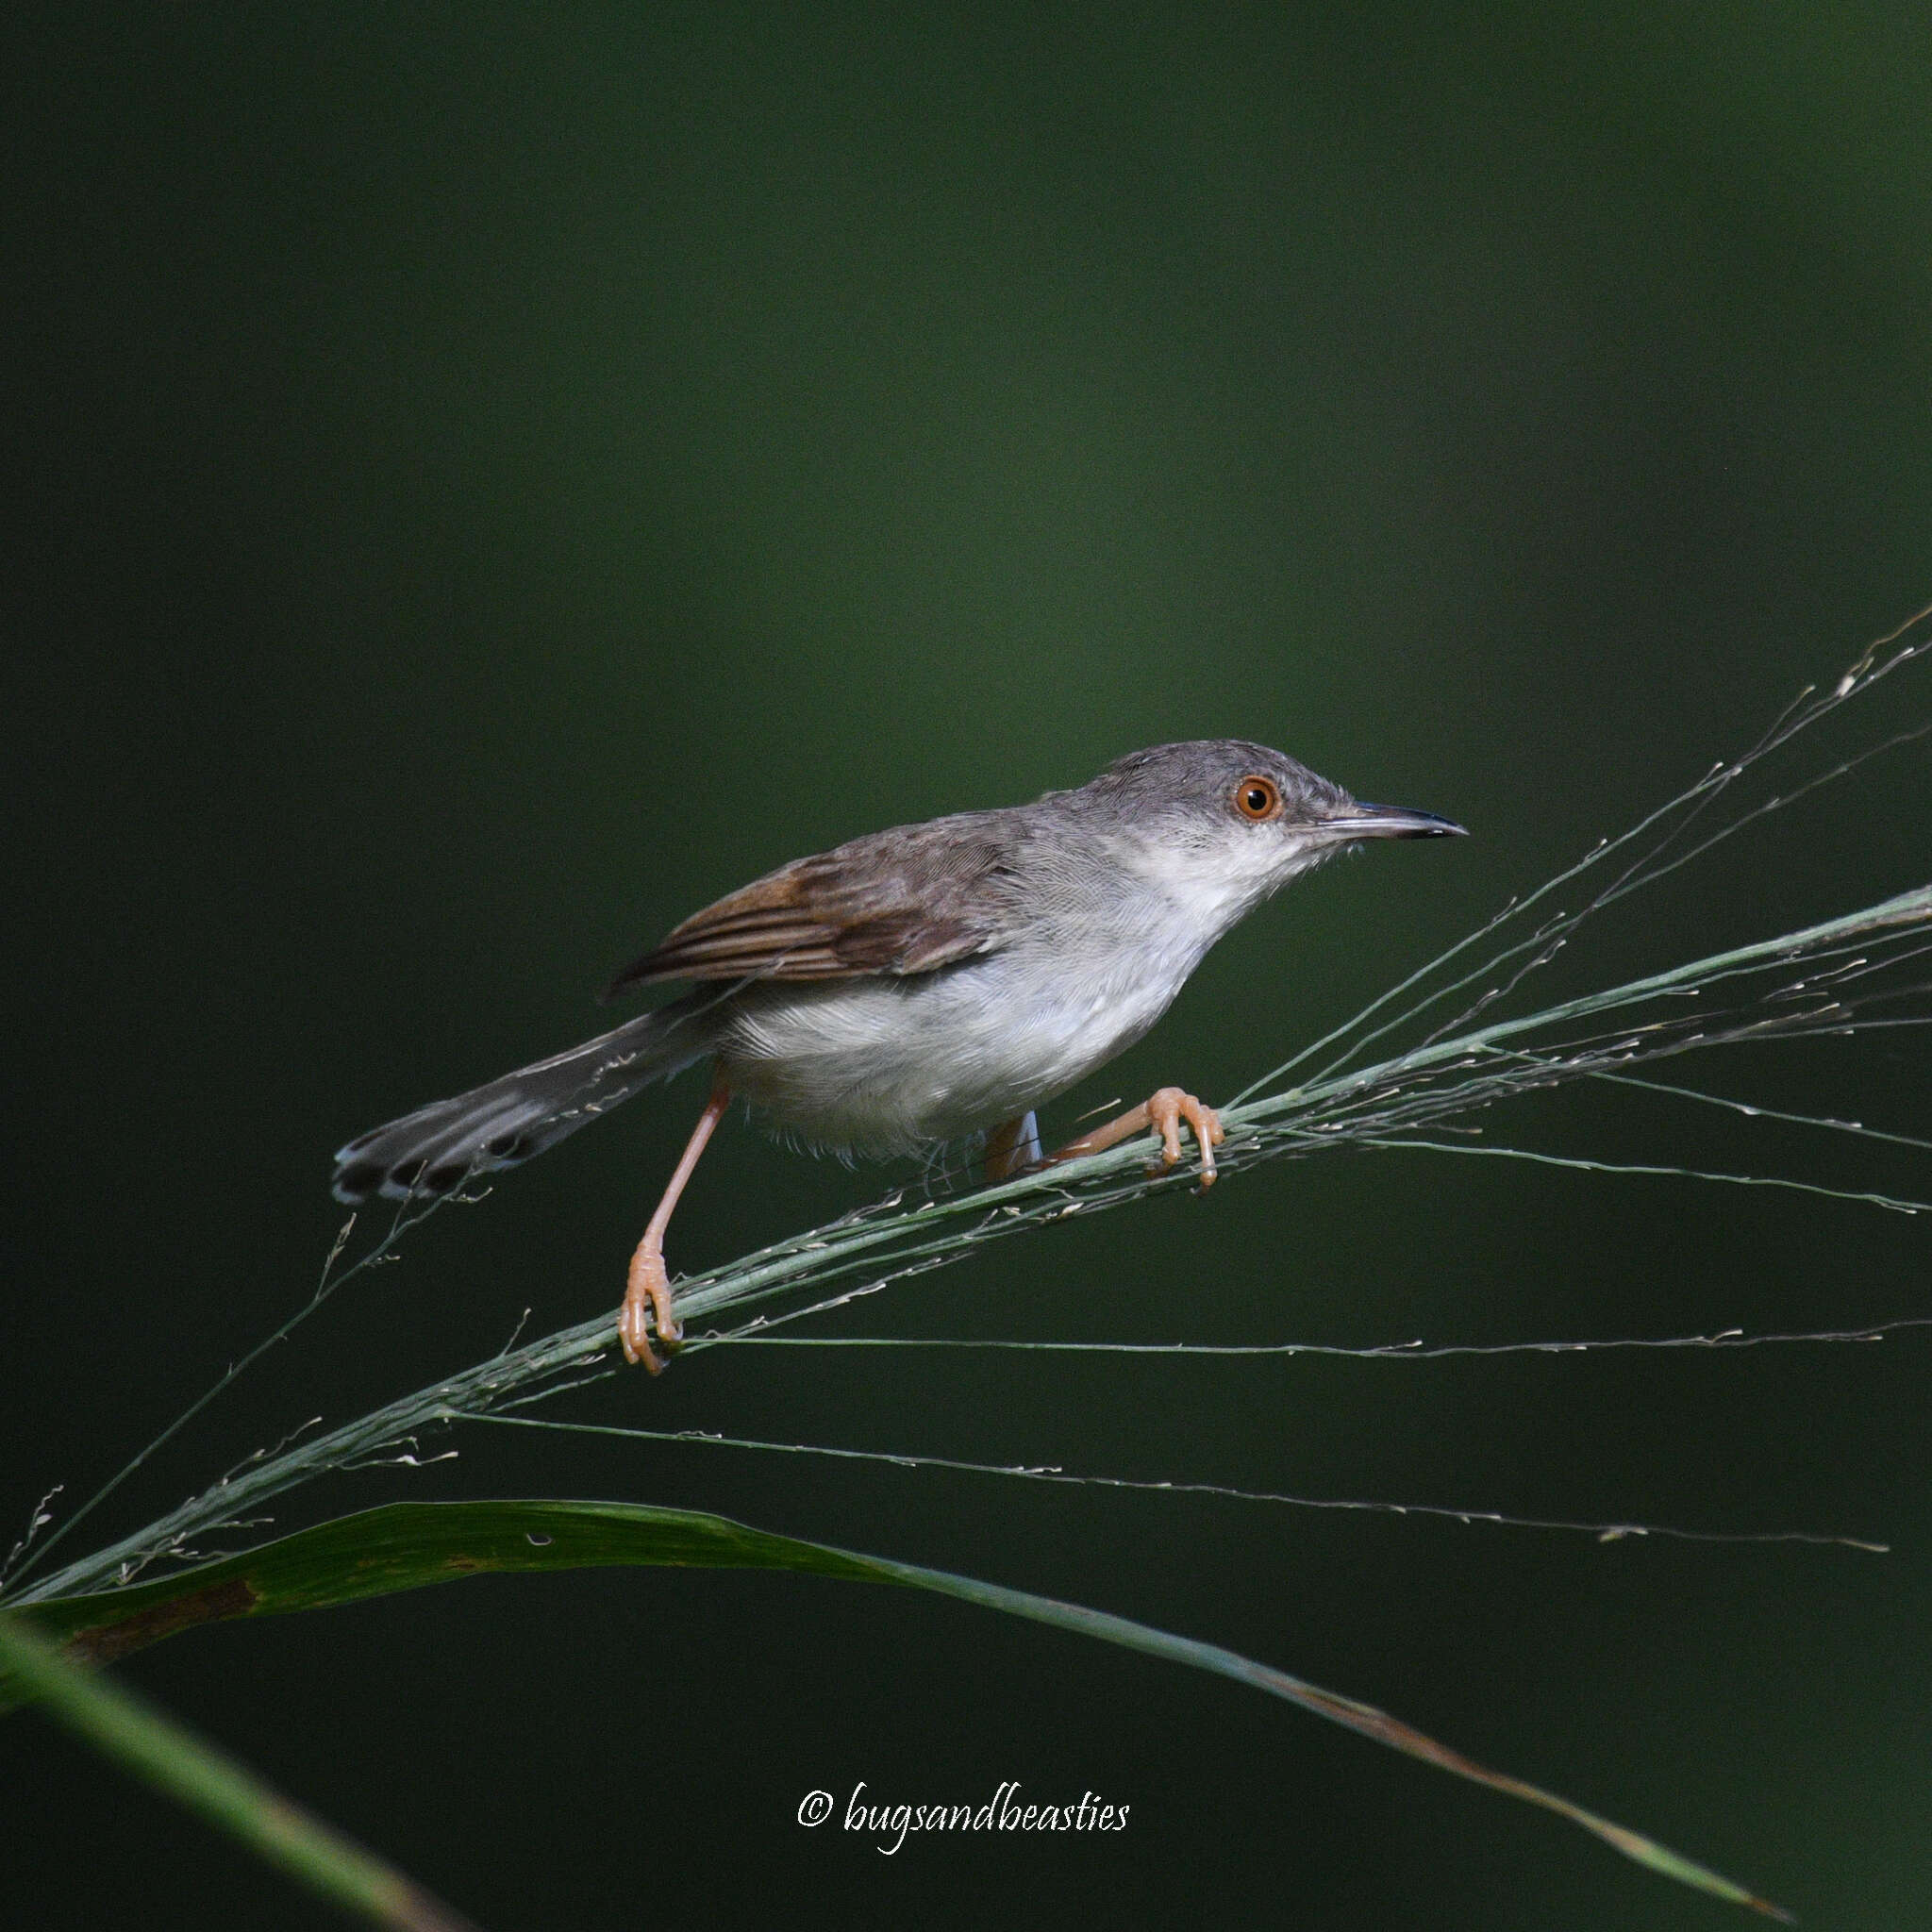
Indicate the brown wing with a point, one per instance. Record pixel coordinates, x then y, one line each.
910 900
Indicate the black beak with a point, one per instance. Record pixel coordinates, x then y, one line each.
1390 821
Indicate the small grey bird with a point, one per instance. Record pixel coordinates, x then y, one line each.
923 985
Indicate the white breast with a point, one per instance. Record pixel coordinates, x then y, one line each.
883 1066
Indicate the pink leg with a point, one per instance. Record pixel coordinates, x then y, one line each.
649 1285
1164 1112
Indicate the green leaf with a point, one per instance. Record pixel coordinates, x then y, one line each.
409 1545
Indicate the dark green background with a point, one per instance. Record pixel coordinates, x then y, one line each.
484 485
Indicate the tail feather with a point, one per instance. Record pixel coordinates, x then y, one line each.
439 1147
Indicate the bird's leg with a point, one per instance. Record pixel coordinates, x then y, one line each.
1011 1149
649 1286
1164 1112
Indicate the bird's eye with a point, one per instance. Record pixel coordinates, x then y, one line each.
1258 798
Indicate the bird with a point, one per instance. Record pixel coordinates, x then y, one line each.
926 985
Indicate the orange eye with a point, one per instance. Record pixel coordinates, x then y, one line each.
1258 798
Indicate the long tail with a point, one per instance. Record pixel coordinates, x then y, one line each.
439 1147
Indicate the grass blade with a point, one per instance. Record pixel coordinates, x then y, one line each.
206 1780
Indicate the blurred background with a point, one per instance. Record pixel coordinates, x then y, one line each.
488 482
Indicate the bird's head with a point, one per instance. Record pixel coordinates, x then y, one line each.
1221 823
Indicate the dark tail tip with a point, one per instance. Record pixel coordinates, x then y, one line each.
355 1183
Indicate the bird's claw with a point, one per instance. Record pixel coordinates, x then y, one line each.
647 1307
1166 1110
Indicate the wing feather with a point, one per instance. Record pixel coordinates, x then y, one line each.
910 900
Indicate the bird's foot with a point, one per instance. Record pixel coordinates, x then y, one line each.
1164 1112
648 1303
